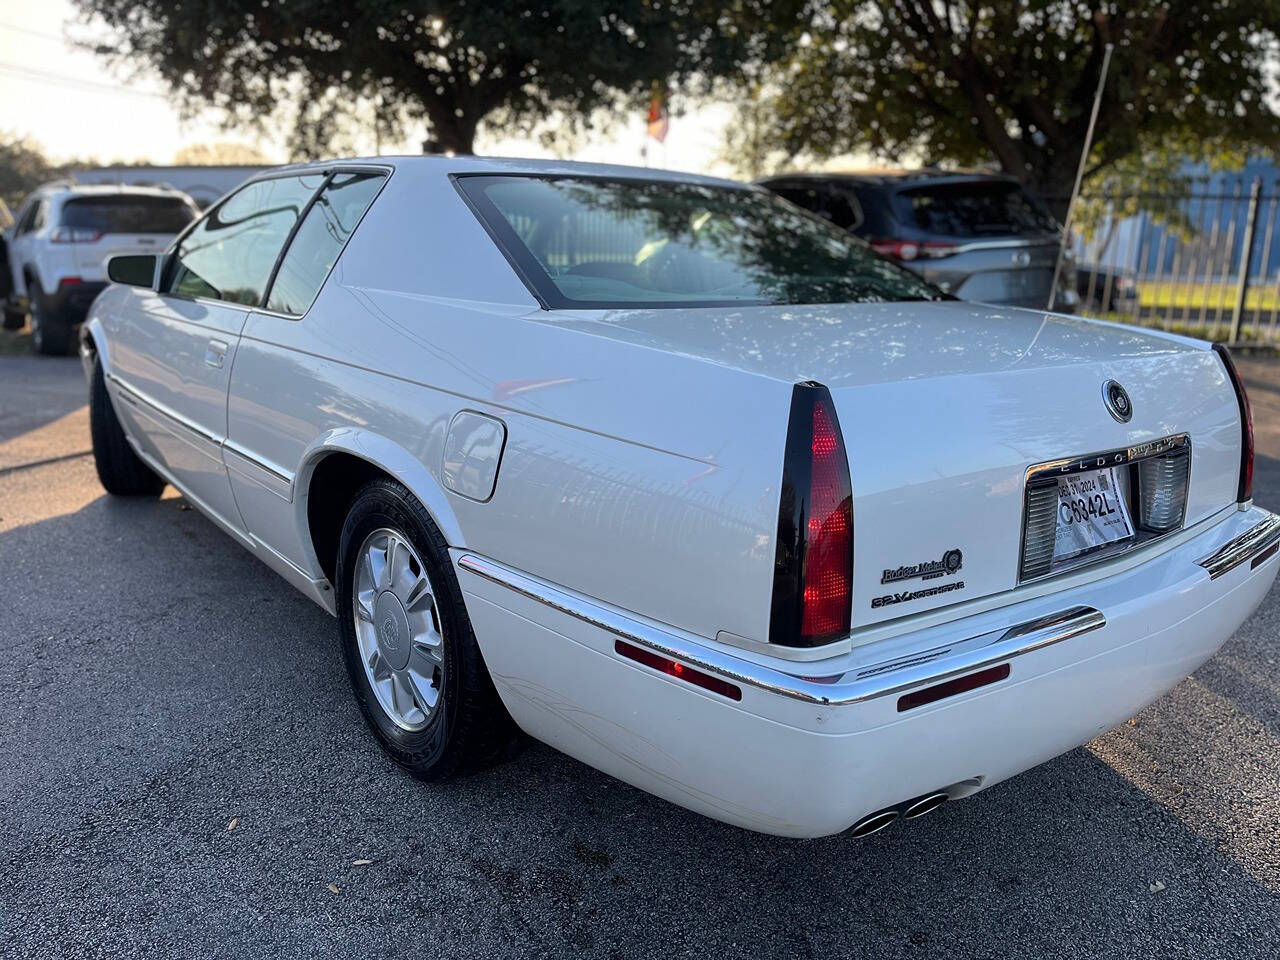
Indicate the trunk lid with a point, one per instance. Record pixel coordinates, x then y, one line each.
944 407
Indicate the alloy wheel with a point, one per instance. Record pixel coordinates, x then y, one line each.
398 629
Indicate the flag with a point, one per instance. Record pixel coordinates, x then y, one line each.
658 120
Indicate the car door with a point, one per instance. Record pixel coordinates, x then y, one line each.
273 410
172 349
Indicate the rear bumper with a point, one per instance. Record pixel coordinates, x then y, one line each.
809 757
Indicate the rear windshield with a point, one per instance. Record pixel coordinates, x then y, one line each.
128 214
972 210
601 243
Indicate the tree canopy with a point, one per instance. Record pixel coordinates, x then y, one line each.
974 82
451 63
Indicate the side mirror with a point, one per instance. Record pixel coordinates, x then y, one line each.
135 269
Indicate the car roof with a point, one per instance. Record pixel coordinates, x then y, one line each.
446 166
70 189
896 177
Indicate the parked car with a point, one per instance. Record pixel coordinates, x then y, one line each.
59 244
1109 288
682 481
978 236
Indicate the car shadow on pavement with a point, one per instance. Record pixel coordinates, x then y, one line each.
184 763
39 391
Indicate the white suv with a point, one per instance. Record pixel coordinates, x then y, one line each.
59 244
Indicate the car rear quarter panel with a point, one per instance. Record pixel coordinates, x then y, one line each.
642 478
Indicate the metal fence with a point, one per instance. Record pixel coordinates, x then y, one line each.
1203 259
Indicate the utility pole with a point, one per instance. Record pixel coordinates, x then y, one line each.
1246 253
1084 158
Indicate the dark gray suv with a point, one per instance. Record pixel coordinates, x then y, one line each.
977 236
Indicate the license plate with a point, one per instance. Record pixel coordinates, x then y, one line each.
1091 513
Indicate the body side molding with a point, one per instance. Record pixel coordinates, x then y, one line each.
868 683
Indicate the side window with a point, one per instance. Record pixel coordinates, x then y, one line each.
231 252
843 209
25 216
802 196
320 239
34 218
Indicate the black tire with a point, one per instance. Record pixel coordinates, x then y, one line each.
121 472
50 334
470 728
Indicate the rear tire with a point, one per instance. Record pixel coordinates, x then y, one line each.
405 629
49 334
120 470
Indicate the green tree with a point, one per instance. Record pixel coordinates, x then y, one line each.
23 167
955 81
454 64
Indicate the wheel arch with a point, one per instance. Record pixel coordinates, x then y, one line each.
94 346
341 462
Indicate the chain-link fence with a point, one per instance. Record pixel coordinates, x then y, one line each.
1201 257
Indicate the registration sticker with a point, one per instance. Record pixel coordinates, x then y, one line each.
1091 513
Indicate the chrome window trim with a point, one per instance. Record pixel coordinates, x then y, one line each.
860 685
1252 543
326 172
1116 457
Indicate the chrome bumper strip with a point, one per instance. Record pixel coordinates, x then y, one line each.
1244 547
892 677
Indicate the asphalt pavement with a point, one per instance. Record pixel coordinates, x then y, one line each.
183 773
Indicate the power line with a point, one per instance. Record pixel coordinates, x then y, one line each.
33 33
45 76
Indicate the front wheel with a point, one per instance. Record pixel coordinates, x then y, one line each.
411 655
120 470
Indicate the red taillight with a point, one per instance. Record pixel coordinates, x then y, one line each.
1245 490
74 235
813 566
827 563
69 281
909 250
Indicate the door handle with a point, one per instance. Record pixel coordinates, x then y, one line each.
215 352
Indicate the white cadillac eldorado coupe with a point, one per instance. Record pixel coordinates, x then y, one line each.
682 481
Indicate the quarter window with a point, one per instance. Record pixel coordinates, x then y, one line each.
231 252
320 239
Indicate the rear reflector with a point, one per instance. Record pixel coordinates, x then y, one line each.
1245 491
673 668
813 562
940 691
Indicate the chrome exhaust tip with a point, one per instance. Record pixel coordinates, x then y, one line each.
873 823
926 804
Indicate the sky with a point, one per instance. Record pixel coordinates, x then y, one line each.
75 105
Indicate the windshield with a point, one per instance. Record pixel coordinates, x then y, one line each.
128 214
973 209
604 243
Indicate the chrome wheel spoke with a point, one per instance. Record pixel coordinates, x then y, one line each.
402 694
419 595
379 669
426 657
424 691
364 605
